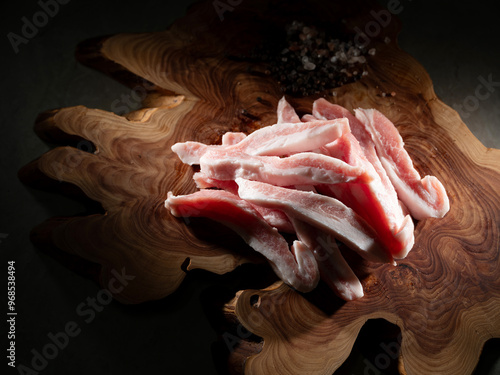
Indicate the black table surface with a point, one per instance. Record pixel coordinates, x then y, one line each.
457 43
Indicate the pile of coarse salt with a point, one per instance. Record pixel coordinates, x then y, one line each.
309 62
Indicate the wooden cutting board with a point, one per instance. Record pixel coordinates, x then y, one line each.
196 81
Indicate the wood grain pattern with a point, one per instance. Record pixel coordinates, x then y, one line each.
445 296
130 181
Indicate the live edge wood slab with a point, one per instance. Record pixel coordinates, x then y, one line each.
445 296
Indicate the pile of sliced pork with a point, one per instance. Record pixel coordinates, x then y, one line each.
330 176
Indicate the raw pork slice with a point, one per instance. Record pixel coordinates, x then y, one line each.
231 138
377 201
297 268
379 207
286 113
424 197
275 140
322 109
305 168
190 152
308 117
325 213
333 268
274 218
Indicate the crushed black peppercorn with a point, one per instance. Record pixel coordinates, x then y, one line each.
309 61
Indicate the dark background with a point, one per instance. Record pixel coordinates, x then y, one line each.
457 42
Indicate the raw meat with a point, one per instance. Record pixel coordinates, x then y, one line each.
425 197
372 201
323 109
275 140
275 218
231 138
308 117
327 176
377 201
305 168
297 268
325 213
333 268
190 152
286 113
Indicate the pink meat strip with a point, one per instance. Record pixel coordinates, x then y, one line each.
274 218
297 268
231 138
305 168
371 201
305 188
275 140
322 109
365 179
377 201
333 268
202 181
190 152
424 197
326 213
286 113
308 117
